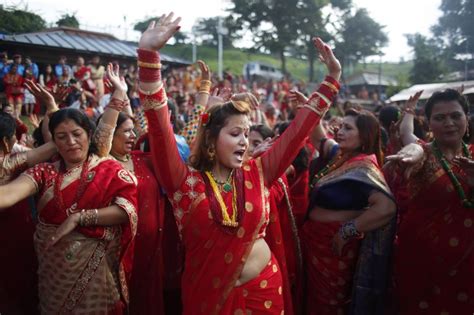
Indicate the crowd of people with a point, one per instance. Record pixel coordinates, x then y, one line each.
177 192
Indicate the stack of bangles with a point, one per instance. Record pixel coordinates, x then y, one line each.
89 217
118 104
348 231
149 72
320 101
205 87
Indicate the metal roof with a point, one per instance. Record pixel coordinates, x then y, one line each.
83 41
429 89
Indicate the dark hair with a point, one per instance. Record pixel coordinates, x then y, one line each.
446 96
263 130
38 135
369 132
79 118
207 135
7 125
387 115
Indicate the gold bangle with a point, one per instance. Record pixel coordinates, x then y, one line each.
149 65
321 96
331 86
204 92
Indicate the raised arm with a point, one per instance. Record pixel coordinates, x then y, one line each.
15 191
276 160
169 168
407 126
104 132
202 96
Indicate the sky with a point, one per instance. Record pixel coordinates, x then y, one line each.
399 17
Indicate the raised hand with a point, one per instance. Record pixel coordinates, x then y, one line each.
297 98
410 156
114 78
247 97
410 105
42 94
205 71
158 33
33 118
327 57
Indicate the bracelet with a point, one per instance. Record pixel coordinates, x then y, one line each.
149 75
89 217
148 56
151 65
117 104
348 230
331 86
204 92
51 112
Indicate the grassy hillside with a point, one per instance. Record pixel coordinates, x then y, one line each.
235 59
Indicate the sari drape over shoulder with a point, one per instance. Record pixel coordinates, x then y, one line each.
89 269
356 282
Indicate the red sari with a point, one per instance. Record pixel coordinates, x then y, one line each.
355 282
146 284
214 258
434 265
18 263
89 269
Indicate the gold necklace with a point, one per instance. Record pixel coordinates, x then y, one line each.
226 220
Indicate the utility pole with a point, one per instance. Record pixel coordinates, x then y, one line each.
466 60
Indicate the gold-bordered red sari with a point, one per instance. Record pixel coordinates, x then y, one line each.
88 270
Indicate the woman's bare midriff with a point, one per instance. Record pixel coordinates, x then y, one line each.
257 260
326 215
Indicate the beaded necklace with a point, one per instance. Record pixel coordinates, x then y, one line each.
335 163
454 180
226 220
226 185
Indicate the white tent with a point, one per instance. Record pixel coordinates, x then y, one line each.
429 89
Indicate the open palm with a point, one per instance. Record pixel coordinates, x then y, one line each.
158 33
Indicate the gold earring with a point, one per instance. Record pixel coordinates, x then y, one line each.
211 152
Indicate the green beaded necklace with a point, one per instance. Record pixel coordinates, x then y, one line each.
457 185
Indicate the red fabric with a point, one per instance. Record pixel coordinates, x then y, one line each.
105 173
261 295
299 192
434 261
329 277
13 85
18 263
81 73
146 283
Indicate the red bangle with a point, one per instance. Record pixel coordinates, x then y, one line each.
148 74
117 104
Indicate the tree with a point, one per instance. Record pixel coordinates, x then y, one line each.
207 30
272 22
311 22
427 63
68 20
456 25
360 37
16 21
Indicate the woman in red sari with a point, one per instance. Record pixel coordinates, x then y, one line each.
221 203
351 223
434 256
84 233
115 137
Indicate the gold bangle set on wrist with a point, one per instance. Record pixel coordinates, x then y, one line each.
89 217
154 91
205 86
149 65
